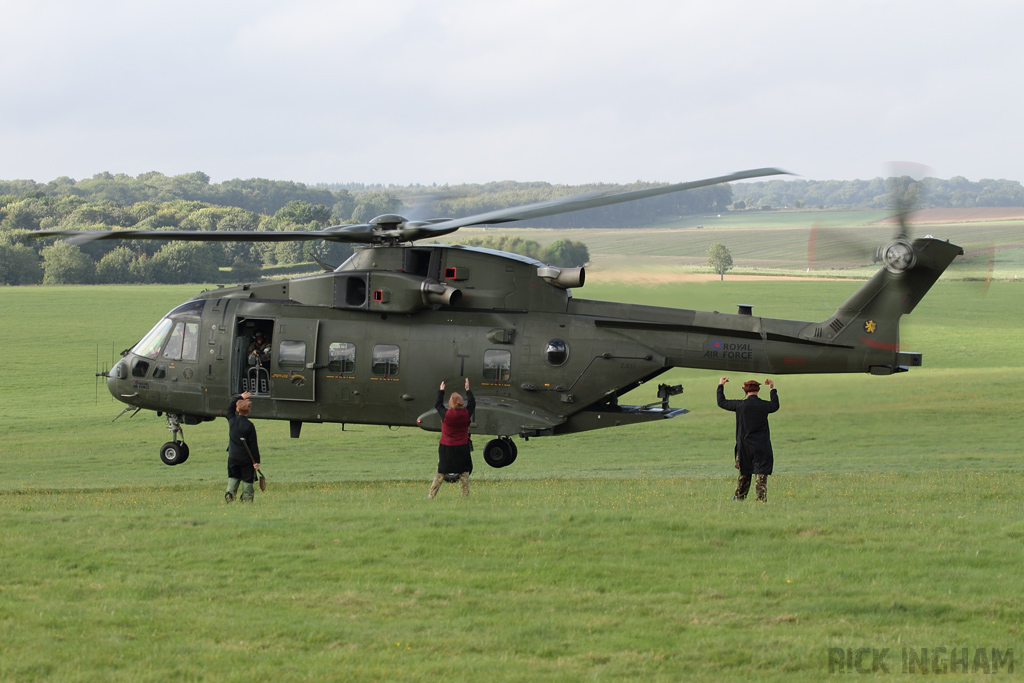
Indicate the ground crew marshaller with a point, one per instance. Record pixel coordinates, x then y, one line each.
243 450
454 452
754 454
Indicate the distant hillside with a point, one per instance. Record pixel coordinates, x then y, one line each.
267 197
878 193
357 202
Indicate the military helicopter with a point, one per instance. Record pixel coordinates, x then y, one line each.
368 342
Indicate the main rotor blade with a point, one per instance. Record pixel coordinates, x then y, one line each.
347 233
407 231
587 200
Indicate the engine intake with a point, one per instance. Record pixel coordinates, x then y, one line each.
391 292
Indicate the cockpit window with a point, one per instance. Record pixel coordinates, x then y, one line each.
184 342
152 342
193 307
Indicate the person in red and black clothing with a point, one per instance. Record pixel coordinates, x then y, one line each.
453 453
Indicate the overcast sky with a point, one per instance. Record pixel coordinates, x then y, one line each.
452 91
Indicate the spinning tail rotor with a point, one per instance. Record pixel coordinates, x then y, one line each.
891 242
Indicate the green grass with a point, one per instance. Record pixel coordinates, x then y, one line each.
895 520
553 579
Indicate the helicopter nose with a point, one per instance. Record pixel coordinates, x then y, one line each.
116 379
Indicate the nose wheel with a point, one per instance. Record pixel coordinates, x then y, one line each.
175 451
500 452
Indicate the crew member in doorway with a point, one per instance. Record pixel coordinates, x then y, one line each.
243 449
453 453
259 350
754 456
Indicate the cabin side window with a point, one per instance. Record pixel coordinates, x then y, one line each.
385 360
497 365
341 358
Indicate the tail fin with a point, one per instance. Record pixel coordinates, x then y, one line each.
870 318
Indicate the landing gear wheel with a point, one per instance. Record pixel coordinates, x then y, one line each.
500 452
173 453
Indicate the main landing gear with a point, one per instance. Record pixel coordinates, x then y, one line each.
175 451
500 452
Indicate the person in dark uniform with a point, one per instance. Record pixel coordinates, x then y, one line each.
453 453
242 466
754 454
259 351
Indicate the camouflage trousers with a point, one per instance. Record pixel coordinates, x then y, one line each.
439 479
248 492
743 487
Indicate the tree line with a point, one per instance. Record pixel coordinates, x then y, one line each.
191 202
360 203
878 193
560 252
105 202
25 260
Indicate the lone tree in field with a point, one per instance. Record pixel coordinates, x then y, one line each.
720 259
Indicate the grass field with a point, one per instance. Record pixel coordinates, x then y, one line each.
894 522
